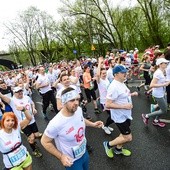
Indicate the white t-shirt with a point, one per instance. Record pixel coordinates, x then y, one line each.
56 73
26 102
110 76
128 62
120 94
78 71
51 78
10 82
68 133
168 73
42 80
159 92
9 141
103 86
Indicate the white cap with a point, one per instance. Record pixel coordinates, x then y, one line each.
17 89
148 52
157 46
93 60
161 60
110 58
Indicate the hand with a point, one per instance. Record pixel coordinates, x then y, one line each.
34 111
134 94
100 59
98 124
66 160
167 83
20 108
94 78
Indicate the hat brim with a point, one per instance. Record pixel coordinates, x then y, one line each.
122 71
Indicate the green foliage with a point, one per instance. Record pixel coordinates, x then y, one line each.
88 22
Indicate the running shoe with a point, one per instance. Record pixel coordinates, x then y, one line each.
145 120
89 148
152 108
110 128
37 153
108 151
138 88
124 152
147 94
40 135
44 115
106 129
87 116
97 111
158 123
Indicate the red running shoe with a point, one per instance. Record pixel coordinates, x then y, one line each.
160 124
145 120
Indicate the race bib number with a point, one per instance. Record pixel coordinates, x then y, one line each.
18 156
79 150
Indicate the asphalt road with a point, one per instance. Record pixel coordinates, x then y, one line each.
150 146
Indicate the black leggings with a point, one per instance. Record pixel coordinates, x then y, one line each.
47 98
90 93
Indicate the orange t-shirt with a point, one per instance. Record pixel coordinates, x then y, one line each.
86 80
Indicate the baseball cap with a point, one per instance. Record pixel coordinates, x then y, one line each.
119 69
148 52
17 89
161 60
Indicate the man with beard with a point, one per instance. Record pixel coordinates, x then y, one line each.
67 129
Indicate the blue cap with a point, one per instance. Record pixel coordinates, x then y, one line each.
119 69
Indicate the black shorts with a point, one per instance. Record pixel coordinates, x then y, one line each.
124 127
30 129
90 93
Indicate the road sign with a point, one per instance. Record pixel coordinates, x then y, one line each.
93 48
74 51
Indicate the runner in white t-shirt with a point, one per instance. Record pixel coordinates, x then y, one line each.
158 85
44 86
67 129
118 100
103 84
15 154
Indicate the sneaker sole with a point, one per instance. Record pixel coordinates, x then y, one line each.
121 153
159 125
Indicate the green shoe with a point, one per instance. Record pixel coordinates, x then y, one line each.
108 151
124 152
37 153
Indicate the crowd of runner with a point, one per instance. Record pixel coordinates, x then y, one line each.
68 87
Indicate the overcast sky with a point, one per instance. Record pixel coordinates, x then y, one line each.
10 8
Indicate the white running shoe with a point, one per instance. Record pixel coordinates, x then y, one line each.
106 129
110 128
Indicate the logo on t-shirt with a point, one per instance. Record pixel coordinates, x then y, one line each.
80 135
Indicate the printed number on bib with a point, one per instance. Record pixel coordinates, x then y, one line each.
78 151
18 156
